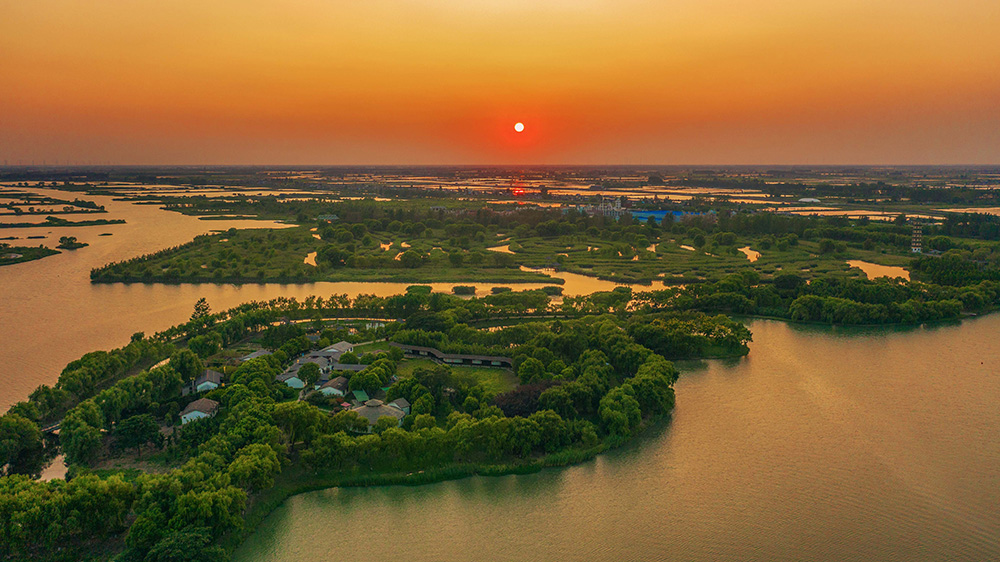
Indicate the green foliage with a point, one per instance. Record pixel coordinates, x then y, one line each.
21 448
136 431
309 374
531 370
206 345
187 363
187 545
255 467
80 433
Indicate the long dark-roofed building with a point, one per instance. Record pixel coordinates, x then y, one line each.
455 358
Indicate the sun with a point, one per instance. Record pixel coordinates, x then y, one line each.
519 127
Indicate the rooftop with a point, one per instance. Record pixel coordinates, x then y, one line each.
203 405
372 410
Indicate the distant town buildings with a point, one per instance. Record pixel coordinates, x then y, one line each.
608 207
917 240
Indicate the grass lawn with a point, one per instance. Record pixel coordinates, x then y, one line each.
407 366
370 347
496 380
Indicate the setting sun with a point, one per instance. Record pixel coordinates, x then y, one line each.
519 127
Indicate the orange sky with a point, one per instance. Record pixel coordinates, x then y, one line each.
443 81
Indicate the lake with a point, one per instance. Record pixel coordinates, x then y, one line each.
825 444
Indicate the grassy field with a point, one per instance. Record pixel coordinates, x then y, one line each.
408 366
371 347
496 380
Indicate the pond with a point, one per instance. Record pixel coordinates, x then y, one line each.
873 270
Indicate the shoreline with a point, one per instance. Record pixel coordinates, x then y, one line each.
283 490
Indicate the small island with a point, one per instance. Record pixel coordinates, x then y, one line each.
52 221
10 255
70 243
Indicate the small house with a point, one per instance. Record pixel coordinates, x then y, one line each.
402 404
334 387
361 396
341 346
291 378
208 380
200 408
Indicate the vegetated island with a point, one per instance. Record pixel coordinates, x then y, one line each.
750 263
60 222
10 255
185 440
70 243
27 203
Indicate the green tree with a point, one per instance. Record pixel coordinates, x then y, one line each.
206 345
187 364
411 259
255 467
186 545
136 431
298 421
384 423
201 310
309 374
80 432
20 446
531 370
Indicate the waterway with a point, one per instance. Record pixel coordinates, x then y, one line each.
824 444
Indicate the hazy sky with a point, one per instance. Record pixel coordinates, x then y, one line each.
444 81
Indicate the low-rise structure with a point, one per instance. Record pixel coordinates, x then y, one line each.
291 378
340 347
350 367
254 355
291 374
207 380
199 409
372 410
334 387
402 404
455 358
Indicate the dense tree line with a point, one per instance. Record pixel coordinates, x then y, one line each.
830 300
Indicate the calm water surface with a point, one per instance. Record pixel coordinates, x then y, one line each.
823 444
